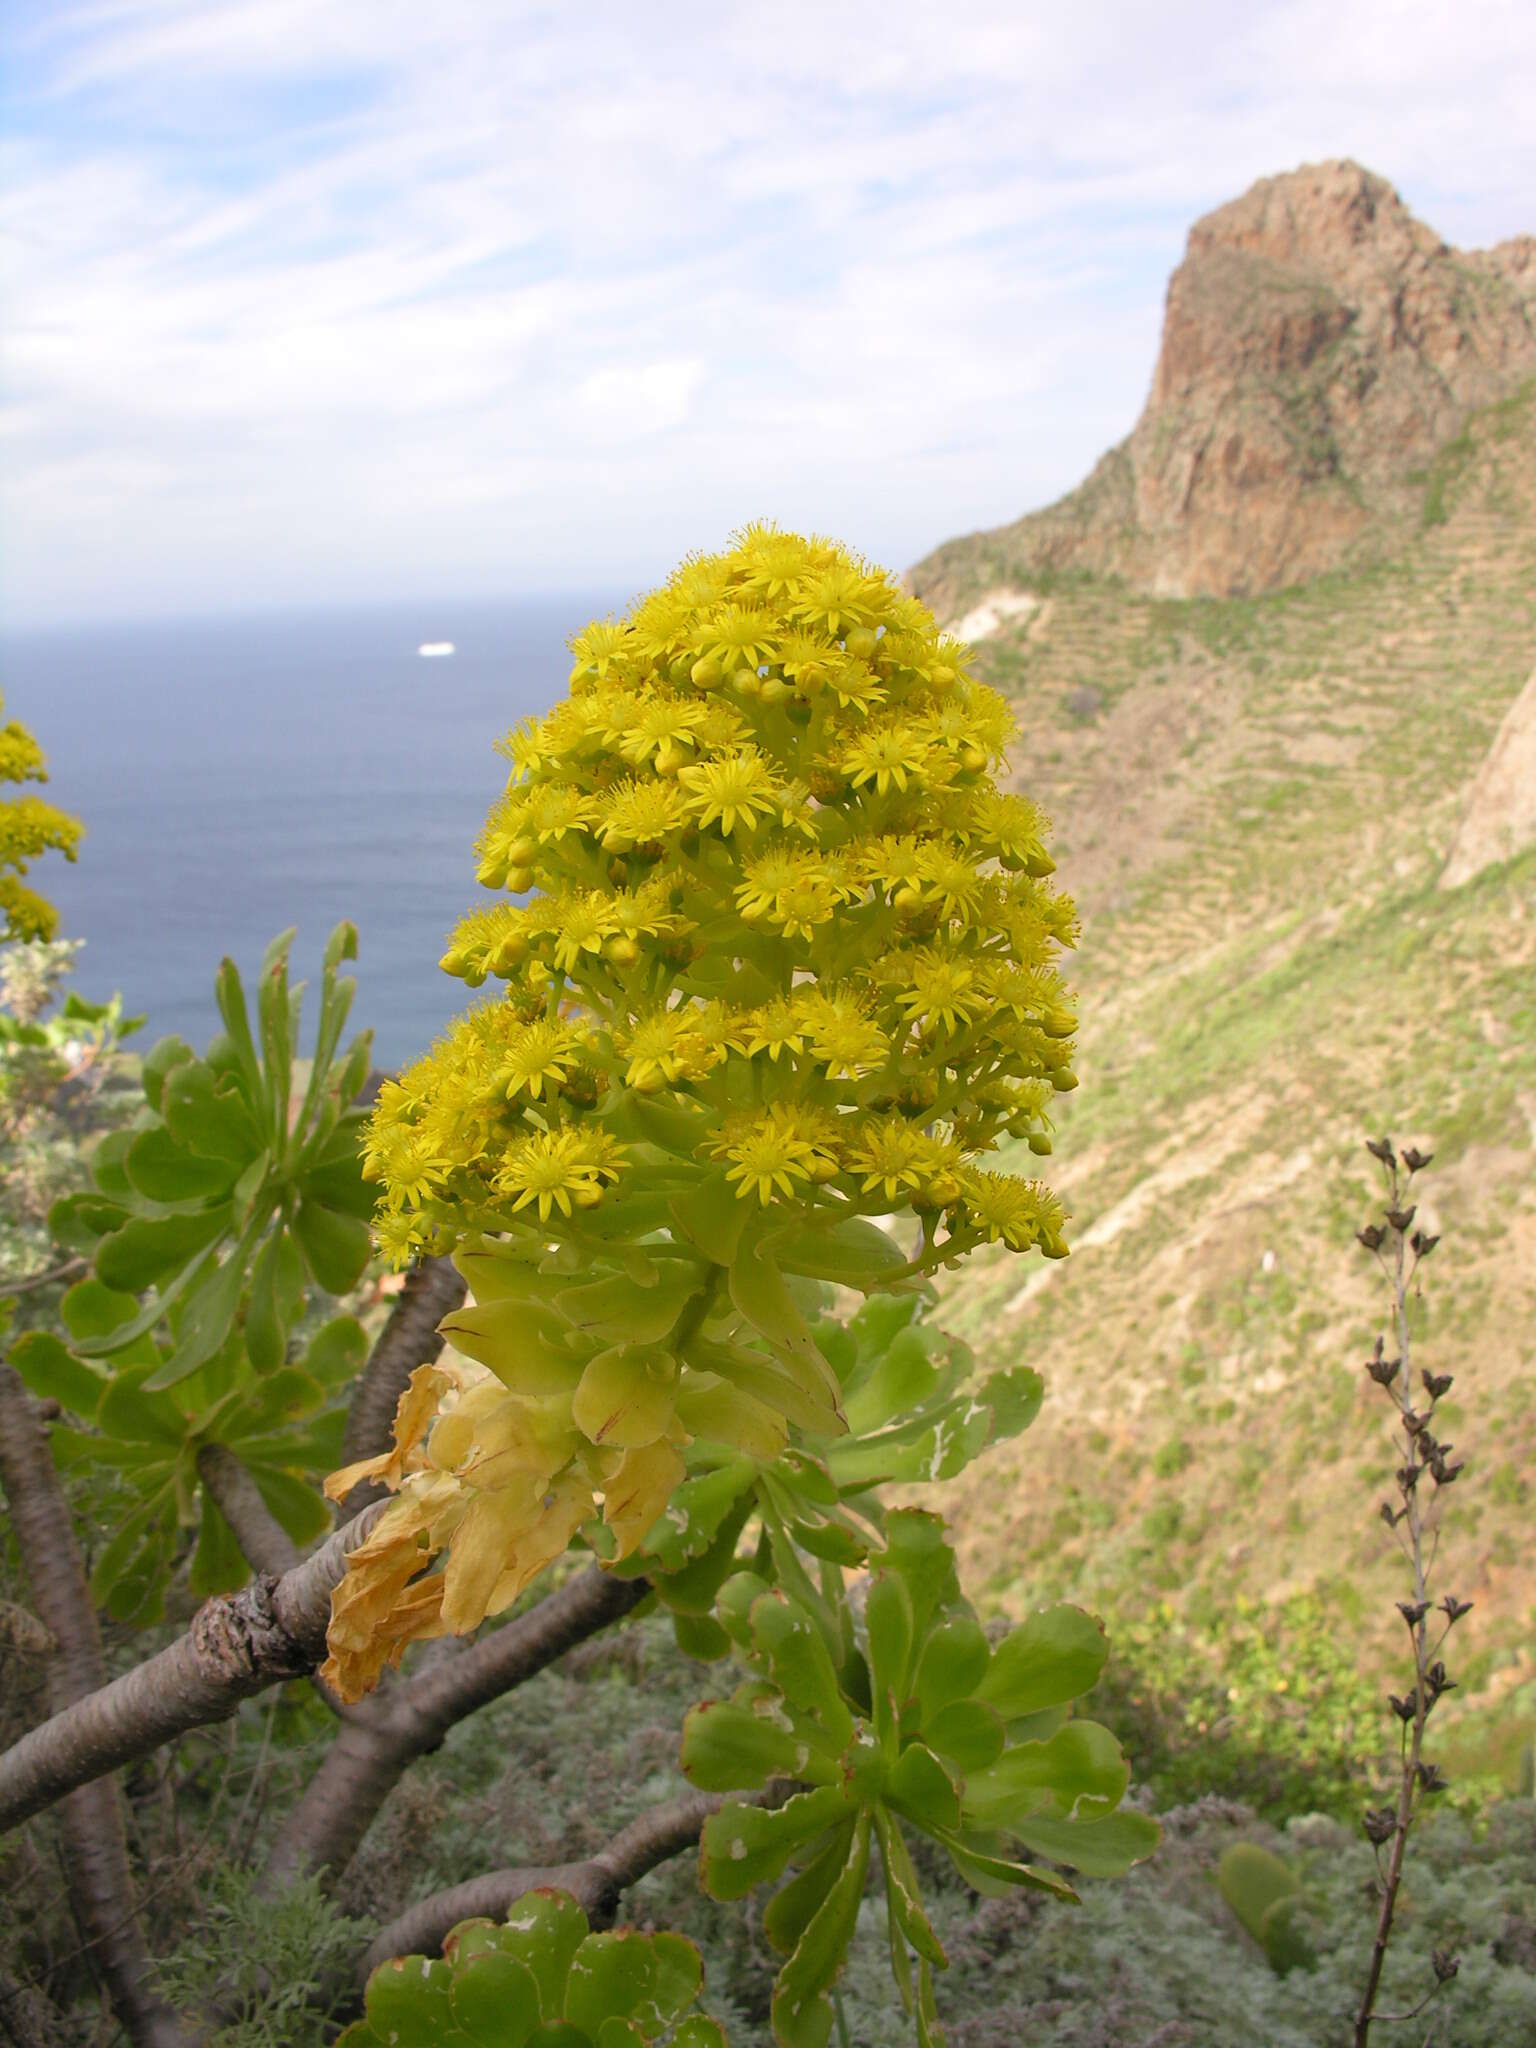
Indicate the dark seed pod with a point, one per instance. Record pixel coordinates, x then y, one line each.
1437 1681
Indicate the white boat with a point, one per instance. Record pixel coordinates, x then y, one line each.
434 650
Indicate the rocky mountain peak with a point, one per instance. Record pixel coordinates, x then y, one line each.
1319 346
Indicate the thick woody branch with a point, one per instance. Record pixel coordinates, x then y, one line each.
595 1883
432 1290
91 1818
373 1752
264 1542
28 2019
237 1645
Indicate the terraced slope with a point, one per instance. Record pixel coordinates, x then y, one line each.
1254 800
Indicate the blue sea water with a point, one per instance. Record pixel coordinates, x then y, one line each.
239 776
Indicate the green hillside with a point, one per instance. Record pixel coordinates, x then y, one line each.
1254 800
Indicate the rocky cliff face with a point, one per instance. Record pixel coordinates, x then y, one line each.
1319 346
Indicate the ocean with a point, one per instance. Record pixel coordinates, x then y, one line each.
239 776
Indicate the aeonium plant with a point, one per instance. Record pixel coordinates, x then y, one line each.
778 966
777 956
210 1217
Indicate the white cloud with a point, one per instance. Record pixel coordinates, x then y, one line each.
647 398
329 297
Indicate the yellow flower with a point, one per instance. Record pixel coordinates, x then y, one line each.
837 596
768 1153
664 730
772 562
585 921
732 789
797 811
890 758
738 637
1021 1213
666 1046
775 1029
951 881
890 1155
599 648
842 1038
854 684
942 989
642 813
702 581
397 1237
539 1058
791 887
971 721
562 1169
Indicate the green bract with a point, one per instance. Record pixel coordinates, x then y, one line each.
540 1980
209 1218
915 1411
919 1724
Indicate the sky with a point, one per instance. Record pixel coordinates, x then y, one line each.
332 301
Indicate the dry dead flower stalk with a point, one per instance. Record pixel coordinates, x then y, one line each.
1400 1248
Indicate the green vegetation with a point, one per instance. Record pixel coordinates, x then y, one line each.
1254 828
1264 1894
1261 793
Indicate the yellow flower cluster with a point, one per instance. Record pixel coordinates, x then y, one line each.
765 870
776 955
28 827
